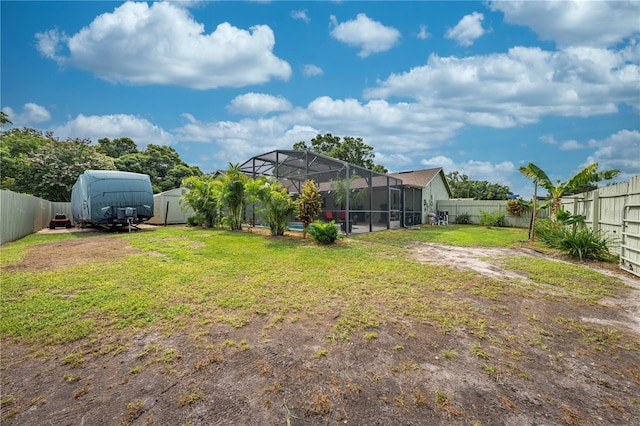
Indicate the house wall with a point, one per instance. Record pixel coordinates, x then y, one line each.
432 194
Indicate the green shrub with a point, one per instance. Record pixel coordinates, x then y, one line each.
491 219
515 207
584 243
193 221
581 243
323 232
463 219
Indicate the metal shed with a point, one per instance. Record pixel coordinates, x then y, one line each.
167 209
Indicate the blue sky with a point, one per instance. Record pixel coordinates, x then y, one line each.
477 87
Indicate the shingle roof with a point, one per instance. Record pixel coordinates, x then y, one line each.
417 177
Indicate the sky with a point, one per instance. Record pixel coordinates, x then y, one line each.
481 88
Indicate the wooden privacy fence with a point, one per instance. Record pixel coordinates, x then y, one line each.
21 215
613 210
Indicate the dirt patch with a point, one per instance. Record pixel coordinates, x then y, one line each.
528 368
64 254
485 261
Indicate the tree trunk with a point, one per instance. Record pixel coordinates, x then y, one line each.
532 226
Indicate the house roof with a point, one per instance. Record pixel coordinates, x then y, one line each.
417 177
421 178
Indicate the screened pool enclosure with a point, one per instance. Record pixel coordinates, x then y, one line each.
358 199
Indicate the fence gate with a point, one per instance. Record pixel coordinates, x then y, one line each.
630 241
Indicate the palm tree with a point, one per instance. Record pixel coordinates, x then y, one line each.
585 176
233 195
275 203
203 198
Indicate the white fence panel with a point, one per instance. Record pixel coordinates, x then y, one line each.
21 215
474 209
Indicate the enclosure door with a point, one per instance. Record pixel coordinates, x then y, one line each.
395 208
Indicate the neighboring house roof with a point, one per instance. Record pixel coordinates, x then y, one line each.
422 178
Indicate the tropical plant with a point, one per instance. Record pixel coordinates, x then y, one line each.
581 243
324 232
585 176
274 203
204 198
308 206
233 195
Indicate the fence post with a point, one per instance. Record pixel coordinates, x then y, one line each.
596 210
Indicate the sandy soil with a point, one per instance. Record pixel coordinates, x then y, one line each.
403 377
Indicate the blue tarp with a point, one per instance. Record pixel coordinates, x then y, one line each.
107 197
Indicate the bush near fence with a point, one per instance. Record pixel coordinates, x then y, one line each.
604 209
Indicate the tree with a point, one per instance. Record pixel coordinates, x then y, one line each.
462 187
233 195
308 206
54 168
161 163
15 147
4 119
204 198
117 147
351 150
588 175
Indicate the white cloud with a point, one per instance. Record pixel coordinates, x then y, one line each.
258 103
575 22
114 126
370 36
310 70
397 131
163 44
619 151
468 30
548 139
31 114
48 44
520 86
301 15
571 145
475 170
423 34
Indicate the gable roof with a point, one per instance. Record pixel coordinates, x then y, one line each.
421 178
417 177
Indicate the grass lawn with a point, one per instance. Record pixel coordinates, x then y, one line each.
179 325
176 273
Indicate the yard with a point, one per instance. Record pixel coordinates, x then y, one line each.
186 326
